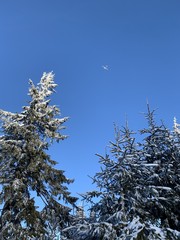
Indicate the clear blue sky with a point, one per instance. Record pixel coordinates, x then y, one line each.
138 39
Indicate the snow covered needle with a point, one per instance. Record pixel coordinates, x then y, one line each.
47 84
45 87
176 126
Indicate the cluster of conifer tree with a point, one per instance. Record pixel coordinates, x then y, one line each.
137 193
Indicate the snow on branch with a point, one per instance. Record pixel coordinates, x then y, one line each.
176 126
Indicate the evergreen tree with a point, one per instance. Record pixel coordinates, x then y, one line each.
161 158
114 205
26 167
137 194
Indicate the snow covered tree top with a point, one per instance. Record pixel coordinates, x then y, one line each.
176 126
45 87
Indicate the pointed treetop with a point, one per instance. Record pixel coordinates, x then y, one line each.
45 88
176 126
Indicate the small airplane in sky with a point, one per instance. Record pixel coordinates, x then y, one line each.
105 67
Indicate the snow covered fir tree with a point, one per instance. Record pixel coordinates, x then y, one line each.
137 191
26 168
137 194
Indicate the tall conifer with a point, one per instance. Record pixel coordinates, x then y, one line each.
26 167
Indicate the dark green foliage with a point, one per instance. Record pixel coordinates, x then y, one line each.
137 196
25 166
161 158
